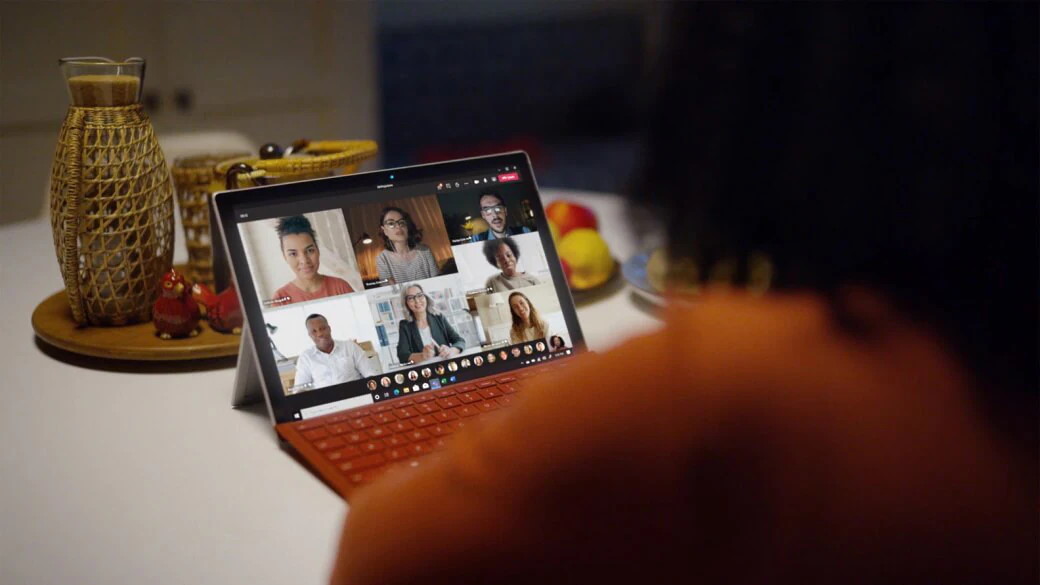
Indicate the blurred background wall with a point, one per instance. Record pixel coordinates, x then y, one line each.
428 80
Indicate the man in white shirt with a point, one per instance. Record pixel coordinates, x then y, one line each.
330 361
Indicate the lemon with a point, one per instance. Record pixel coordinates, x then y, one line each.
588 257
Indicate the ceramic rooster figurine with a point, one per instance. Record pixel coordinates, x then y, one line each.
175 313
223 311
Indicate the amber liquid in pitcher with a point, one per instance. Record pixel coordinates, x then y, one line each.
104 90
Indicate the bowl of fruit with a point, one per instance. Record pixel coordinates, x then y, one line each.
587 262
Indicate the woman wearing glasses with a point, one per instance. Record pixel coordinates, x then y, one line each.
405 258
424 334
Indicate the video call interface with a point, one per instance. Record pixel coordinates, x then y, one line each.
405 295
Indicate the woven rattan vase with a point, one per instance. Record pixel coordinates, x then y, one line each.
111 196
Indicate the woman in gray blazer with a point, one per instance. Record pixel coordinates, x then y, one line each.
424 334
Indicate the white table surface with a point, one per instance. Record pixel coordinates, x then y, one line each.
144 474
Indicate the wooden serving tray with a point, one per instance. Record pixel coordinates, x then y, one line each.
52 321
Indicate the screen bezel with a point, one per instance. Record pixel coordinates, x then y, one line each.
317 194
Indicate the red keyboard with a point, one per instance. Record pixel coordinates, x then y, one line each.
351 448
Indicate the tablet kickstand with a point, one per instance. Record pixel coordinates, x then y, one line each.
248 388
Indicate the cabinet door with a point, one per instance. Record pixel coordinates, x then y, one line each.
270 71
274 71
33 36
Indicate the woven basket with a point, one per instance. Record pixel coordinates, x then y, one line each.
194 177
111 214
316 159
319 159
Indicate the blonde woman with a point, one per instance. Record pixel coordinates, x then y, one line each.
527 323
424 334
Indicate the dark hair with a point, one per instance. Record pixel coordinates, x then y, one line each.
494 194
414 232
552 341
491 246
889 145
295 224
314 316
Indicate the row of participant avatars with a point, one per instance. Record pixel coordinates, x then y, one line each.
350 337
338 251
515 353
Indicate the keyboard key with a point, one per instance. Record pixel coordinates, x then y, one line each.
419 448
339 429
403 413
363 477
489 393
445 415
425 397
505 400
428 408
439 443
487 406
363 423
312 424
397 440
378 432
418 435
344 453
469 397
440 430
467 388
444 393
423 420
336 418
397 453
330 443
384 418
355 437
508 388
506 379
466 410
486 384
400 426
401 403
457 425
315 434
448 402
362 463
371 446
359 412
382 408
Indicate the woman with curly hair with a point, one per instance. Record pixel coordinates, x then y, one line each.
301 253
503 253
